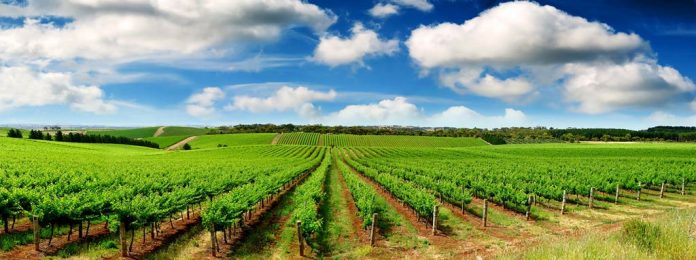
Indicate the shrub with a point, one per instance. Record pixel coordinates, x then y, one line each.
187 147
641 233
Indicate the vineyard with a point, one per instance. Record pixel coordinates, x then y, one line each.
327 196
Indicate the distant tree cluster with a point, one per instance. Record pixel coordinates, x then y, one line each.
14 133
82 138
496 135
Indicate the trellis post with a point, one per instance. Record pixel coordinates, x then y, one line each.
591 197
299 237
372 230
616 197
662 190
563 202
37 228
434 219
485 212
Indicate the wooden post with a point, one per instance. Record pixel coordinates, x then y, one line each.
662 190
122 237
37 229
616 197
591 197
639 188
434 220
299 237
485 212
462 200
372 230
529 207
563 202
683 186
213 239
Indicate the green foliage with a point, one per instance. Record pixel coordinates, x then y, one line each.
224 140
311 193
398 141
165 141
299 138
130 133
187 147
641 233
183 131
14 133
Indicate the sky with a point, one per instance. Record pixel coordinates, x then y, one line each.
456 63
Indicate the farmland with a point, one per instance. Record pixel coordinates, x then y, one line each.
242 196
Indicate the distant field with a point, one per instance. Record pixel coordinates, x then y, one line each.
399 141
212 141
166 141
299 138
130 133
183 131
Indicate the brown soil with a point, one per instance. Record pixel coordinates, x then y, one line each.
22 225
361 234
181 143
276 138
57 243
159 131
257 215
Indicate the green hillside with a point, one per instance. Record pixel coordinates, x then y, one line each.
212 141
183 131
131 133
166 141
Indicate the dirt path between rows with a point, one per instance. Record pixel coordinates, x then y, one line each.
258 212
181 143
21 225
57 243
276 138
159 131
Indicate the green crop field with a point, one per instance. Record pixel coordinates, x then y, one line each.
183 131
130 133
240 196
212 141
165 141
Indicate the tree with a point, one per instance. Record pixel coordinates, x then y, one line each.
187 147
48 137
59 136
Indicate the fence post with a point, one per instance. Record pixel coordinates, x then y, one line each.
213 241
485 212
662 190
640 186
529 207
683 186
372 230
122 237
616 197
434 220
37 229
591 196
299 237
563 202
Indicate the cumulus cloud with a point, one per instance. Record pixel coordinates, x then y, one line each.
22 86
397 111
664 118
423 5
509 51
400 111
138 29
335 51
202 104
383 10
298 99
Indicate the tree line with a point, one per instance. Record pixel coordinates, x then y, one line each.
494 136
81 138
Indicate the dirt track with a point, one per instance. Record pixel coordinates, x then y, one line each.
181 143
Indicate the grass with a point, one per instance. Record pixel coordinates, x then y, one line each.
666 237
166 141
11 240
130 133
213 141
183 131
93 249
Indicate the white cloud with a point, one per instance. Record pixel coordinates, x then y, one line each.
461 116
142 29
599 88
22 86
397 111
693 105
383 10
202 104
286 98
664 118
518 33
400 111
423 5
335 51
597 69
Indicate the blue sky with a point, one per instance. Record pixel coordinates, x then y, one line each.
627 64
